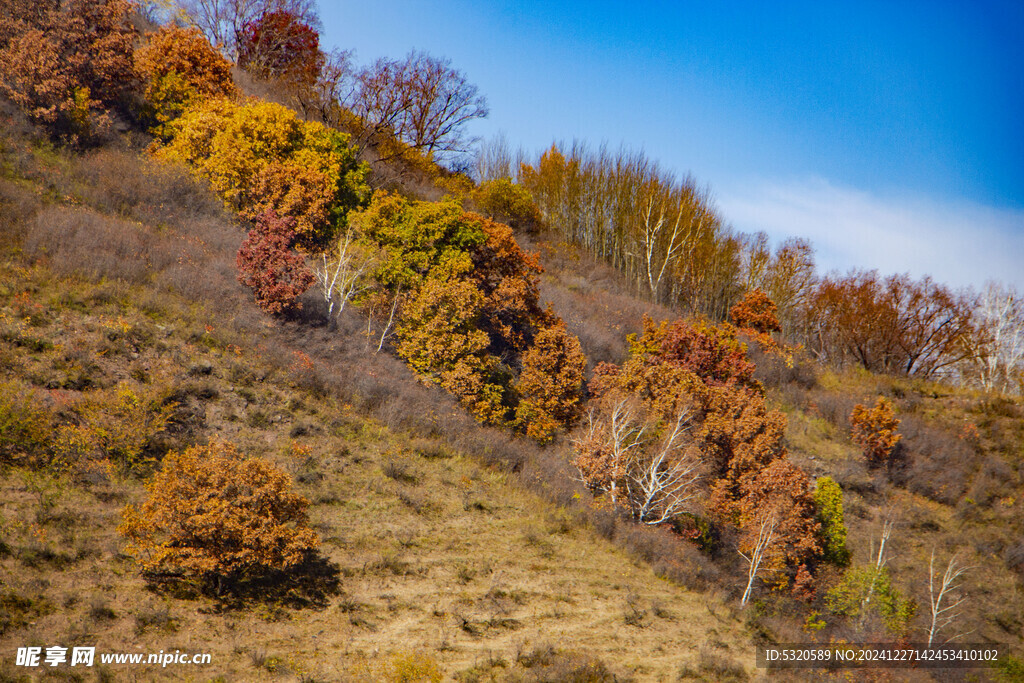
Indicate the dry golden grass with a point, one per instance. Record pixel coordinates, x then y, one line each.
437 553
458 550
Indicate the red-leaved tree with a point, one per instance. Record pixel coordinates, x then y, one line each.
279 45
268 264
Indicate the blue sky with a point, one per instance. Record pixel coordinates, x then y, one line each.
888 133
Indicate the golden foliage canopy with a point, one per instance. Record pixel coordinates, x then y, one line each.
211 512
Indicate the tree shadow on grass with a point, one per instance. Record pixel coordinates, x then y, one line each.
308 585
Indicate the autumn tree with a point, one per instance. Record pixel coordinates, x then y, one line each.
509 203
896 325
828 498
789 282
418 240
278 45
259 156
440 337
648 468
874 430
702 372
214 515
507 276
179 68
711 352
65 63
551 383
224 22
268 264
342 271
782 491
756 312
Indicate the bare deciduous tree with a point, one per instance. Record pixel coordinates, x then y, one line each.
421 99
944 605
999 339
224 21
766 536
341 272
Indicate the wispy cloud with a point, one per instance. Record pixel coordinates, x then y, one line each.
958 243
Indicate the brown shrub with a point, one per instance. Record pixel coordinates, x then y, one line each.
63 65
213 514
874 430
756 312
937 464
83 242
551 384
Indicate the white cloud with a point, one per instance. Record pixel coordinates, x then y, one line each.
958 243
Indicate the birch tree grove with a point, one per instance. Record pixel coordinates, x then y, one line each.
660 230
998 358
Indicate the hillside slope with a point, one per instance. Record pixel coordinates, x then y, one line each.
117 276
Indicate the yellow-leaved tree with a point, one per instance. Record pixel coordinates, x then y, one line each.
259 155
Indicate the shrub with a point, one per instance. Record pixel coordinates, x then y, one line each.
63 64
179 68
551 383
756 312
874 430
507 202
115 426
412 667
507 277
213 514
269 266
869 590
418 240
302 193
828 498
24 422
713 353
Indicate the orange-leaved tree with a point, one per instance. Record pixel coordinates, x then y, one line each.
179 68
507 277
215 515
755 311
874 430
440 337
781 493
64 63
550 384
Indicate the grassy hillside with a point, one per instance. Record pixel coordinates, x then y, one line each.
117 276
447 550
